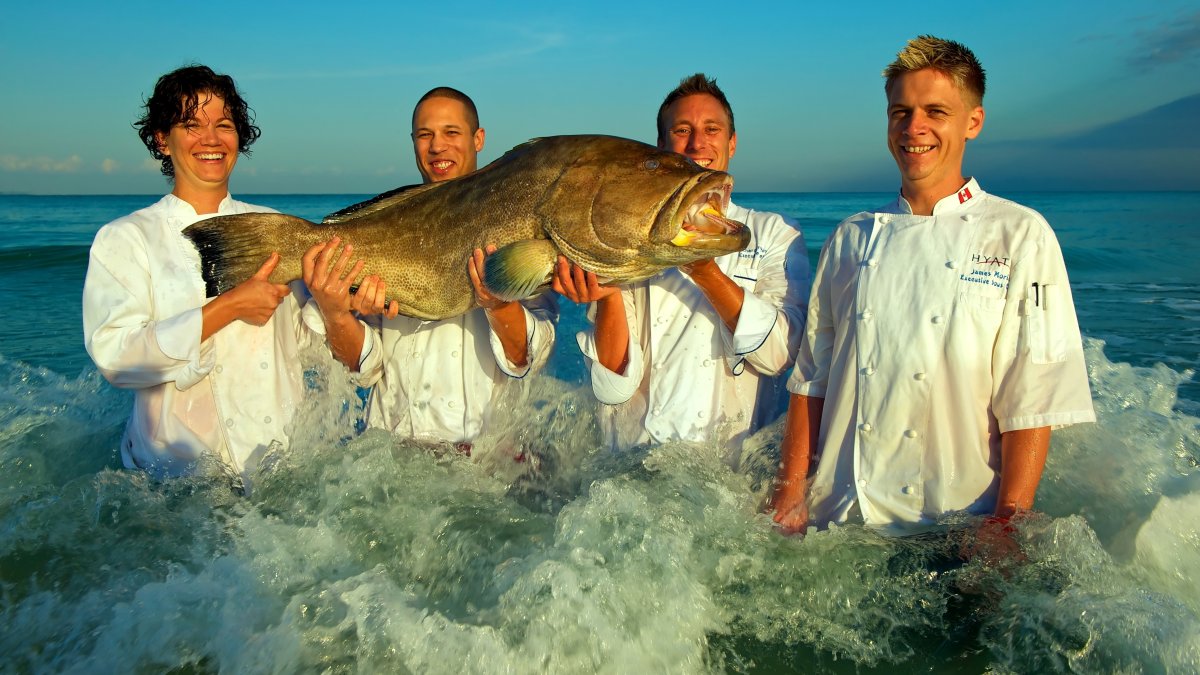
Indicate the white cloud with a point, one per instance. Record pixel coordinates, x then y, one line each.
152 165
40 164
110 166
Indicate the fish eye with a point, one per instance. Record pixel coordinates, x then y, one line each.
651 164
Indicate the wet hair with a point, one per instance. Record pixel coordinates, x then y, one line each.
689 86
452 93
178 94
950 58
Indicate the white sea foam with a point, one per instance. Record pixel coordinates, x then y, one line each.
371 554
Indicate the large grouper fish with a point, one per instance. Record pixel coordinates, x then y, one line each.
622 209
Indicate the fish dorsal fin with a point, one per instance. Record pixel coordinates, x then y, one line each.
377 203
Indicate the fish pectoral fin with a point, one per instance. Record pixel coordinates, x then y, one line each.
517 270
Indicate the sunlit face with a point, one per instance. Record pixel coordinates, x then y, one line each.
444 145
929 123
203 149
698 127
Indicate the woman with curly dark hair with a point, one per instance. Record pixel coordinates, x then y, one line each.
215 380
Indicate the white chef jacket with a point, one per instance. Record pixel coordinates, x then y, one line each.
687 377
928 337
437 380
231 396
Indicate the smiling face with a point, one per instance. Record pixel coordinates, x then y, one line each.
444 144
929 123
698 127
203 150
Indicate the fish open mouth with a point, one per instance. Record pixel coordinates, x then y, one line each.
705 218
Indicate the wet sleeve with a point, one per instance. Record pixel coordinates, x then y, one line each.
129 347
370 358
1039 377
771 322
810 376
314 328
541 315
614 388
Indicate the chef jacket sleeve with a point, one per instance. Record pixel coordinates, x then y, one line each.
370 357
810 376
1039 377
771 321
129 347
541 314
614 388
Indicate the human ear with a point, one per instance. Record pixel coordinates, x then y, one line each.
975 122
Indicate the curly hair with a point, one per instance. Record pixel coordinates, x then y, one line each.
950 58
688 86
177 95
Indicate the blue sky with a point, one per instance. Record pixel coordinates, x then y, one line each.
333 86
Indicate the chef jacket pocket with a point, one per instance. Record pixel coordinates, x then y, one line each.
1041 325
980 314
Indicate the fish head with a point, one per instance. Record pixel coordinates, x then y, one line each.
627 210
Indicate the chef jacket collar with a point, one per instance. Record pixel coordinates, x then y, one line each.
966 197
180 208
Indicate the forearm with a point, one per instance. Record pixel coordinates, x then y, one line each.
1022 459
612 333
800 434
217 314
508 323
723 294
345 335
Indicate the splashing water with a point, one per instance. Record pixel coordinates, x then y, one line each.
541 553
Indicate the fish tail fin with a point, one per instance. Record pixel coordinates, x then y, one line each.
232 248
517 270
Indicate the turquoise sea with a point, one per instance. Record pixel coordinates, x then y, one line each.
364 553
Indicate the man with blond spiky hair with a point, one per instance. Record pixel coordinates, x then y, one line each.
941 345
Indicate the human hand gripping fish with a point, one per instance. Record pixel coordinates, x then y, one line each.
253 301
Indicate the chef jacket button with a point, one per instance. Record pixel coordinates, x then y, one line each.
220 369
885 219
908 489
454 355
937 319
657 411
229 423
267 419
658 366
865 427
918 376
862 482
701 414
967 217
263 365
868 371
867 314
872 263
416 355
910 433
952 264
449 404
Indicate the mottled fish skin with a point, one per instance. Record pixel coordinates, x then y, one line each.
611 205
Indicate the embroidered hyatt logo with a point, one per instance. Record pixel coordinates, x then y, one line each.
985 259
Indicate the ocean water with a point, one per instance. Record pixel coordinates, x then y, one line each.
368 554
